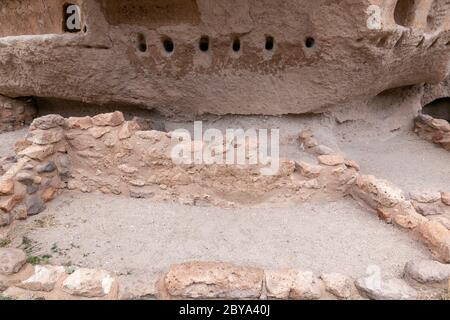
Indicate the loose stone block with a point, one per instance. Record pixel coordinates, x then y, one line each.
308 170
34 205
98 132
425 197
331 159
6 187
378 192
127 129
46 137
82 123
10 280
8 203
293 284
427 271
48 194
437 238
445 197
44 278
89 283
113 119
379 289
46 167
47 122
37 152
212 280
11 260
339 285
25 178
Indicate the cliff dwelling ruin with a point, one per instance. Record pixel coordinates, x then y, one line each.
240 149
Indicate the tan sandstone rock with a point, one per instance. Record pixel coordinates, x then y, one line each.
339 285
211 280
437 237
48 194
405 215
113 119
89 283
378 192
292 284
331 159
37 152
127 129
82 123
47 122
441 124
127 169
352 164
10 280
6 187
308 170
8 203
98 132
45 137
11 260
445 197
44 278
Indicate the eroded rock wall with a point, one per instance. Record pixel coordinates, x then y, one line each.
256 57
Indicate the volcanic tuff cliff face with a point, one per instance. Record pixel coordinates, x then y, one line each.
211 56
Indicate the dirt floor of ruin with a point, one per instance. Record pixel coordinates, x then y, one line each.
138 239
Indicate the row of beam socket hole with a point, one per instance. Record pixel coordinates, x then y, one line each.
204 44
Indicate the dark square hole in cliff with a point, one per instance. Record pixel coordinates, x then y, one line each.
439 109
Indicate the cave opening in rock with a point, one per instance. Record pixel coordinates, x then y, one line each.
404 12
439 109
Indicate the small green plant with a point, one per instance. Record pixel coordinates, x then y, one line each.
4 243
4 298
41 260
27 244
70 270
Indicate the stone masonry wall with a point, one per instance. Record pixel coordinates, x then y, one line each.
433 130
15 114
204 280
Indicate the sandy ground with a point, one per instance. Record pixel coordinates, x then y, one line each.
138 237
403 158
141 237
8 139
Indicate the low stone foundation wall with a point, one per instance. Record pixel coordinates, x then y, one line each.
215 280
21 280
108 154
434 130
15 114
